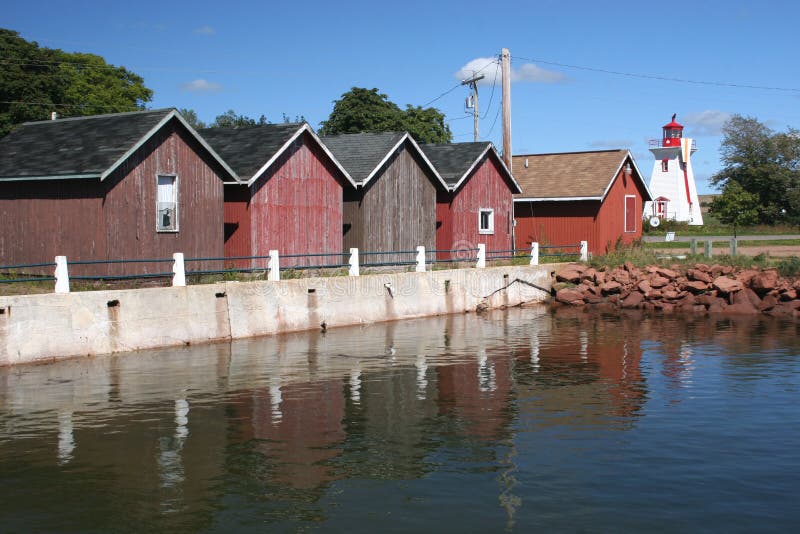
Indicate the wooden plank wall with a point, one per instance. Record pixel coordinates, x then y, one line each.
44 219
297 207
457 213
394 212
130 205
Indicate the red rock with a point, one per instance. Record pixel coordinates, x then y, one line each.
698 308
789 294
589 274
613 299
648 306
569 296
654 294
742 308
700 276
670 294
628 266
651 269
717 307
746 276
768 302
695 287
658 281
702 267
569 274
765 281
623 277
600 277
746 295
688 300
796 284
611 287
634 300
667 273
727 269
644 286
665 307
593 299
727 285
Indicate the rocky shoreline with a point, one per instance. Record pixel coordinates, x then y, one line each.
701 289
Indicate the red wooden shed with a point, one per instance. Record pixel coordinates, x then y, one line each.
290 198
139 185
478 206
569 197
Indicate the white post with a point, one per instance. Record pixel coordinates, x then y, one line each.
354 270
584 251
481 256
179 270
534 253
420 259
62 275
274 266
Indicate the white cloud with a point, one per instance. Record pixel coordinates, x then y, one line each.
529 72
707 122
489 67
205 30
201 86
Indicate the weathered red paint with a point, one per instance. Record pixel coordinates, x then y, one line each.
457 213
295 207
116 219
602 224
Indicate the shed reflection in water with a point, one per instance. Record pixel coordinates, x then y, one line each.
289 429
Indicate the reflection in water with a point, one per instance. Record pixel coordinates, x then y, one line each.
512 419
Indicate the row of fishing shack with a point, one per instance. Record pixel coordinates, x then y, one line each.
143 185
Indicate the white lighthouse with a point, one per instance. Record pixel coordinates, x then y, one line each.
672 181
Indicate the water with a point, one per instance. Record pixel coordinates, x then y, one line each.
512 421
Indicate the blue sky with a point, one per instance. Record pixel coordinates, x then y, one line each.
296 58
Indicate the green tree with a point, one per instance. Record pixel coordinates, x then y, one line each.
35 81
191 117
764 163
367 110
735 206
230 119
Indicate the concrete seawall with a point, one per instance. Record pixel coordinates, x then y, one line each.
35 328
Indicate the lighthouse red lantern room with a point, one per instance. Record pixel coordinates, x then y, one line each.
672 180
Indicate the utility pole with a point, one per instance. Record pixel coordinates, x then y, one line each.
473 85
505 64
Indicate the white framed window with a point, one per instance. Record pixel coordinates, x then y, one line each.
664 165
485 221
166 203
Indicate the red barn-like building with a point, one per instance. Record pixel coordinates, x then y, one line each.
291 198
569 197
139 185
478 206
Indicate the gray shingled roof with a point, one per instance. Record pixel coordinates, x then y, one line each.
247 149
454 160
74 147
361 153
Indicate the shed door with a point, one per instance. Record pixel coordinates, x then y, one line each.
630 213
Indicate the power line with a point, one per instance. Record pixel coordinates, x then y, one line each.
661 78
491 96
456 86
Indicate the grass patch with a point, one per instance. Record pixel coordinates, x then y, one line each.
713 227
725 244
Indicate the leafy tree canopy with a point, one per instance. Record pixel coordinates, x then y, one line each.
764 163
230 119
191 117
367 110
735 206
35 81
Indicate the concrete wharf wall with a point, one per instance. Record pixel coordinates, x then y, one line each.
38 328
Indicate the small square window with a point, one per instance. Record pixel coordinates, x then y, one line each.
485 221
167 203
664 165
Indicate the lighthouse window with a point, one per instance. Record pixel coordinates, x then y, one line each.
664 165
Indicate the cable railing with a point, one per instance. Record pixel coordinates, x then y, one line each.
274 264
